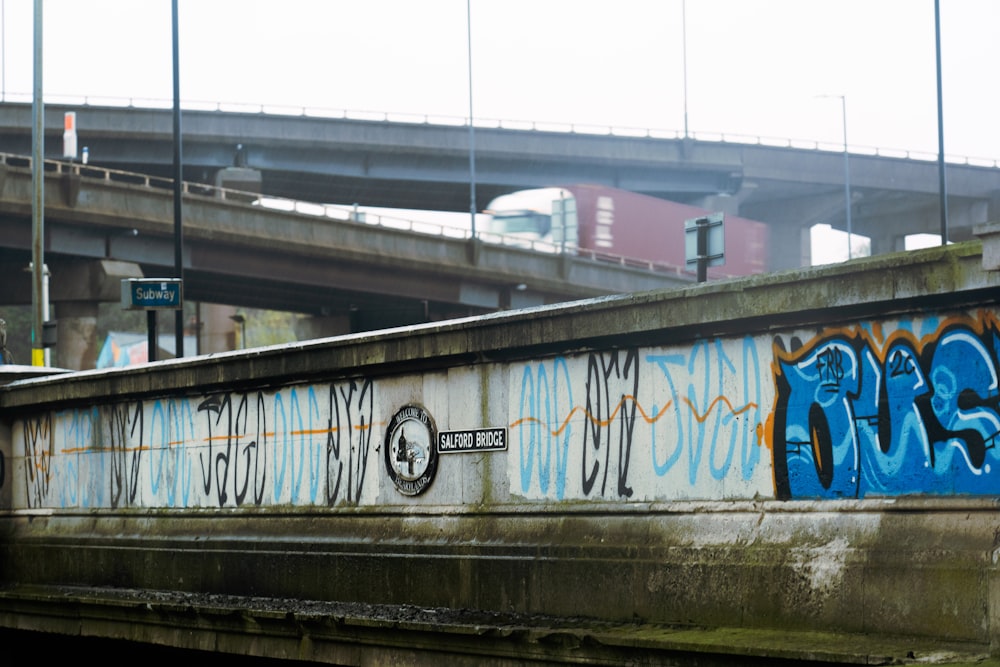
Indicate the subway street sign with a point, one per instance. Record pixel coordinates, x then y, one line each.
152 294
476 440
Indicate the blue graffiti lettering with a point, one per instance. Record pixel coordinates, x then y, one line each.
852 419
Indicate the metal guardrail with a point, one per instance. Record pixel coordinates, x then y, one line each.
330 211
490 123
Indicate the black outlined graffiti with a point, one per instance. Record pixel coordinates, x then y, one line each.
654 421
38 452
298 445
251 453
126 446
242 455
348 442
612 384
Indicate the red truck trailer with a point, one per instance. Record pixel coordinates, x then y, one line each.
611 223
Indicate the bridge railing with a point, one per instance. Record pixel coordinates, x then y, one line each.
359 215
331 212
492 123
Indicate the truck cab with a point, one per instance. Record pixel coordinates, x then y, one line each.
545 215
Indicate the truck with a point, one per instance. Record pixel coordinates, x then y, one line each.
618 225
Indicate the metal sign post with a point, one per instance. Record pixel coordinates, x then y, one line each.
152 294
705 243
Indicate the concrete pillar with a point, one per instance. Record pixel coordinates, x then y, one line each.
77 287
993 208
789 239
238 180
790 246
990 236
217 331
76 335
311 328
727 204
887 243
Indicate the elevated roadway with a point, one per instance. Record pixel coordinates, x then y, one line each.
419 162
307 259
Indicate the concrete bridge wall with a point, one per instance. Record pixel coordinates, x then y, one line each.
800 463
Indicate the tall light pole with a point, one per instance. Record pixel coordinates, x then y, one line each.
684 43
940 109
847 176
178 183
38 204
472 129
3 50
847 171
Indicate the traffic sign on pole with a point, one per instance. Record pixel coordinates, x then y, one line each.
705 242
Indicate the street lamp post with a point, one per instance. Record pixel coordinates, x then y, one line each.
38 201
847 171
685 58
847 176
943 193
472 128
3 50
178 182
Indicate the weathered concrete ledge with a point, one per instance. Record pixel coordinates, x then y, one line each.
855 567
339 633
807 455
877 286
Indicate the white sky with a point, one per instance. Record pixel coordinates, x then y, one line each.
754 67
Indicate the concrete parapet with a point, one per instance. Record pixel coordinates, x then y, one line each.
990 236
808 452
904 578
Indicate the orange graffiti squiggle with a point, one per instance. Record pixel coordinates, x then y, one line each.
216 438
719 399
645 416
105 448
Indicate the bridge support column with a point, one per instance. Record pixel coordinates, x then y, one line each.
77 289
217 330
727 204
76 335
886 243
993 208
789 240
789 246
310 328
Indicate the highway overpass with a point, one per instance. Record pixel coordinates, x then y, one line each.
300 258
419 162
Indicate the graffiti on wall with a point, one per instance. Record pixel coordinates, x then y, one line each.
38 459
641 424
861 412
881 408
296 446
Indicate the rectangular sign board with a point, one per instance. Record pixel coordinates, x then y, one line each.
475 440
711 226
152 294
